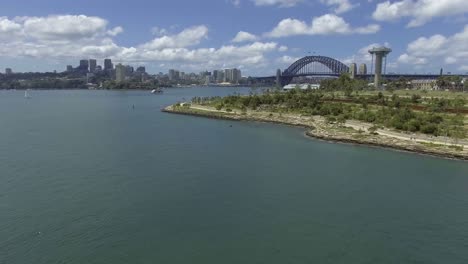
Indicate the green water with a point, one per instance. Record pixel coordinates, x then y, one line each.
84 178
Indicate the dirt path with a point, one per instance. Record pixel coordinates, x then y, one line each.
402 136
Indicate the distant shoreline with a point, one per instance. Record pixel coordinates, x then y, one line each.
317 130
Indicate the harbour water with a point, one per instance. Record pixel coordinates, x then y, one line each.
85 177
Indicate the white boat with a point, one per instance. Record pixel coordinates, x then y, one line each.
155 91
26 95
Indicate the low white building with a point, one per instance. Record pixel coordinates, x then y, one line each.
424 84
301 86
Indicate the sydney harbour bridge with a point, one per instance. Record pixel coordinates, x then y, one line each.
326 67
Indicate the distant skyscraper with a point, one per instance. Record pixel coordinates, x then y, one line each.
215 75
363 69
120 72
220 77
232 75
174 75
141 69
129 70
92 65
108 65
84 65
353 70
69 68
171 75
8 71
239 76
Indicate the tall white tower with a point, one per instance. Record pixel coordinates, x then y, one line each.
380 54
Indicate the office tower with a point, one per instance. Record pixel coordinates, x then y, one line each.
363 69
141 69
120 71
92 65
69 68
108 65
353 70
8 71
84 65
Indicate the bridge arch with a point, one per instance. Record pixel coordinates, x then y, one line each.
302 67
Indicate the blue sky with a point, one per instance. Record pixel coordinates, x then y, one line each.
425 35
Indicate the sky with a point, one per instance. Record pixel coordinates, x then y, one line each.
256 36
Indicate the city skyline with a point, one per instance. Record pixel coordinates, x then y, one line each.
424 35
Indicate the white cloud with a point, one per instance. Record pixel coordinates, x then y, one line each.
158 31
63 27
287 60
243 36
210 57
363 55
446 49
410 59
324 25
236 3
70 38
115 31
341 6
420 11
8 26
188 37
57 36
280 3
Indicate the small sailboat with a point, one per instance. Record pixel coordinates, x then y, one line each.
156 91
26 95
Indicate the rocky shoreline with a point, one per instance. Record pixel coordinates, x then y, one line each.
319 130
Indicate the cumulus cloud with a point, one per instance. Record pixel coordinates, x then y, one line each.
243 36
340 6
446 49
57 36
8 26
287 60
280 3
64 27
188 37
76 37
115 31
363 55
419 11
324 25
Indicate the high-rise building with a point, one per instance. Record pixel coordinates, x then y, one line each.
84 65
120 72
174 75
171 75
232 75
92 65
215 75
8 71
129 70
353 70
220 76
69 68
108 65
238 75
141 69
363 69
